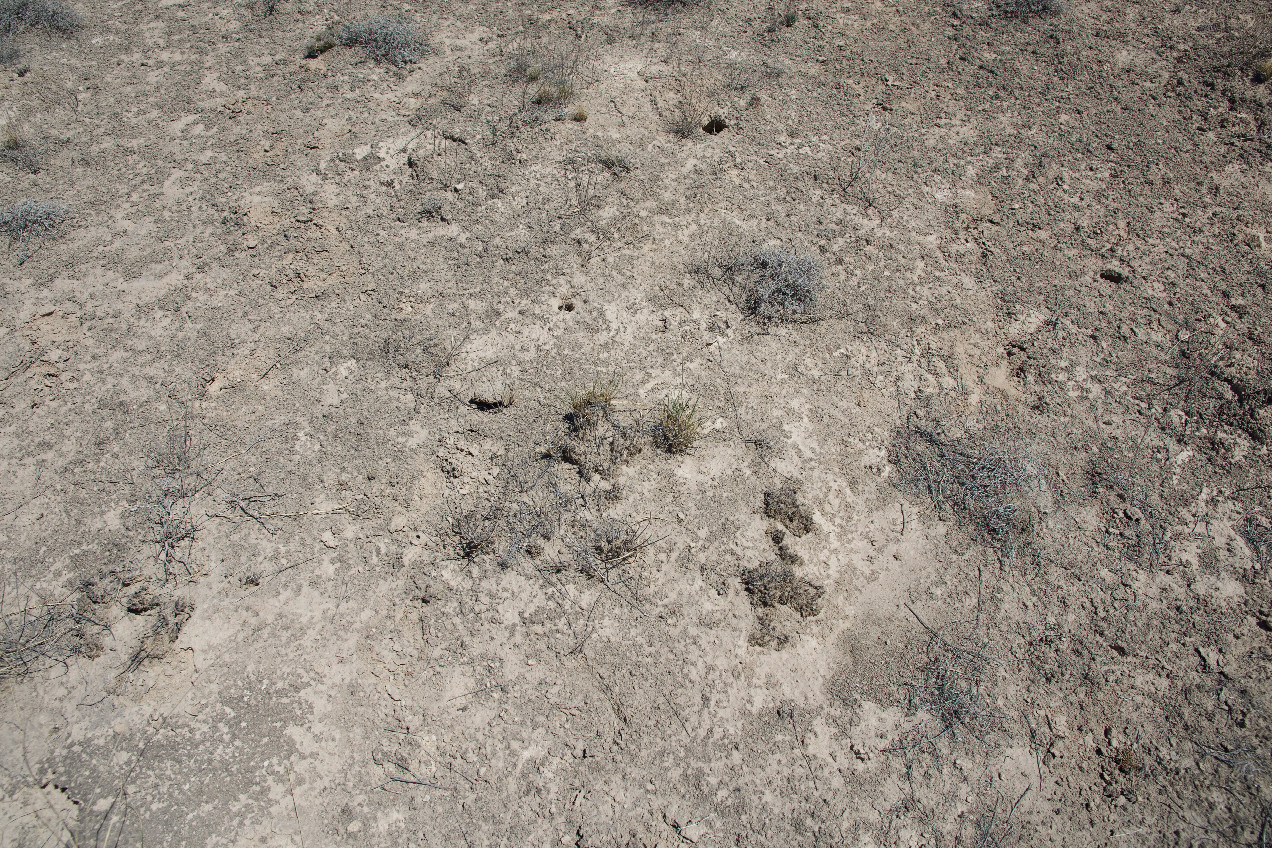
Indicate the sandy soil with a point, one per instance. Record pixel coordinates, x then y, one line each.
320 527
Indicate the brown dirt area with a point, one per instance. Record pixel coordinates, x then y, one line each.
635 423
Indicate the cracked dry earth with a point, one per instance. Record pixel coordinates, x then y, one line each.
404 455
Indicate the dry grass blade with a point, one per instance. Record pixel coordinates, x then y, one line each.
37 633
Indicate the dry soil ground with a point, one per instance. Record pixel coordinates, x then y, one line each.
338 505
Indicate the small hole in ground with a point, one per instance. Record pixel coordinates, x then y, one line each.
715 126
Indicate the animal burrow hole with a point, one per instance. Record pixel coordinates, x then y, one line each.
715 126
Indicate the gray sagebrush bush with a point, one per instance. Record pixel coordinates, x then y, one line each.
384 38
31 222
49 15
774 284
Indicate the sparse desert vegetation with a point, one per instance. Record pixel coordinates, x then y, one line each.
30 223
48 15
393 40
664 422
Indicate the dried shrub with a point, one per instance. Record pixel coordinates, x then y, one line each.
610 550
48 15
984 477
30 223
598 439
178 477
775 285
322 42
1258 536
393 40
475 530
951 690
527 512
618 164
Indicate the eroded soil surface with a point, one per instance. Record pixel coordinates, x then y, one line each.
339 498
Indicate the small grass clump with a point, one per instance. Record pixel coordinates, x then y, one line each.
31 222
393 40
1030 8
678 426
776 285
579 115
1263 70
48 15
16 150
555 93
616 163
592 404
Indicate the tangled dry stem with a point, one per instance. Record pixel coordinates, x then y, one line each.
984 477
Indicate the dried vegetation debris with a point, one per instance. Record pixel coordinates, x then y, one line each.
1138 511
783 504
983 475
171 618
36 632
951 691
1224 380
